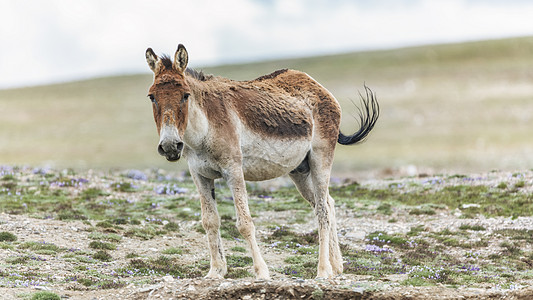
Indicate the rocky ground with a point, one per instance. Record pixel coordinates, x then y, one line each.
137 235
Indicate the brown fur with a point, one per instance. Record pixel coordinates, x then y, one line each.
273 115
264 107
217 111
168 87
326 110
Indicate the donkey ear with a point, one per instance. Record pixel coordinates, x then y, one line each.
152 59
181 58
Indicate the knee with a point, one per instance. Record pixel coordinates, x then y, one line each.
245 226
210 222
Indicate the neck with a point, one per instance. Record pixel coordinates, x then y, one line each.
197 125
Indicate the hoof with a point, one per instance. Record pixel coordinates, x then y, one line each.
263 275
325 271
337 270
214 275
328 273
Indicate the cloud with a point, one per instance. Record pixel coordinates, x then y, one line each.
59 40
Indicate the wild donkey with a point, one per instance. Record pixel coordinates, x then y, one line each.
281 123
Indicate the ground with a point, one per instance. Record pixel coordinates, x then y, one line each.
134 234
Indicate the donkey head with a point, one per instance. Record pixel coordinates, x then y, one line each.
169 95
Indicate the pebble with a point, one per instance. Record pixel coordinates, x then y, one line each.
224 285
191 288
357 235
470 205
150 288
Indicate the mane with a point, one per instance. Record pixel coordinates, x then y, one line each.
166 61
198 75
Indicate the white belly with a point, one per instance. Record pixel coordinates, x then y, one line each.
266 158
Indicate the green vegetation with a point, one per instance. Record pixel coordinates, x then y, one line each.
7 237
472 227
102 245
40 247
489 202
239 249
112 237
102 256
453 256
164 265
171 251
45 296
300 266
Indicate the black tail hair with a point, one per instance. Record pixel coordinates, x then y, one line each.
368 115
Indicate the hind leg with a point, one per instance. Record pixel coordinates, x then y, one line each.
335 255
308 187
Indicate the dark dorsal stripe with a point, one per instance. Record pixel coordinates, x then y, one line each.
271 75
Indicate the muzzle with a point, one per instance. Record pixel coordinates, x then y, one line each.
170 144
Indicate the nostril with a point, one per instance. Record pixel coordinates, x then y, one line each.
179 146
160 149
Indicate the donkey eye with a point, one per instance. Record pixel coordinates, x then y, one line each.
152 98
185 97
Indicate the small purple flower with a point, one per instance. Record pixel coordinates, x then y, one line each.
137 175
40 171
170 190
376 249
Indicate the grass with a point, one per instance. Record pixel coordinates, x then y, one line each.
421 256
472 227
102 245
300 266
164 265
40 247
45 296
112 237
7 237
489 201
238 249
419 88
102 256
173 250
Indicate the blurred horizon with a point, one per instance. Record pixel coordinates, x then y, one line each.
55 41
456 108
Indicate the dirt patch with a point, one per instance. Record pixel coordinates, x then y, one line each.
138 235
294 289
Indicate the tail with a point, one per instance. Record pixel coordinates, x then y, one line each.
368 116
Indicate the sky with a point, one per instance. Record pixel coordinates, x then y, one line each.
52 41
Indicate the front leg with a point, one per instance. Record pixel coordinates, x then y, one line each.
211 224
245 224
